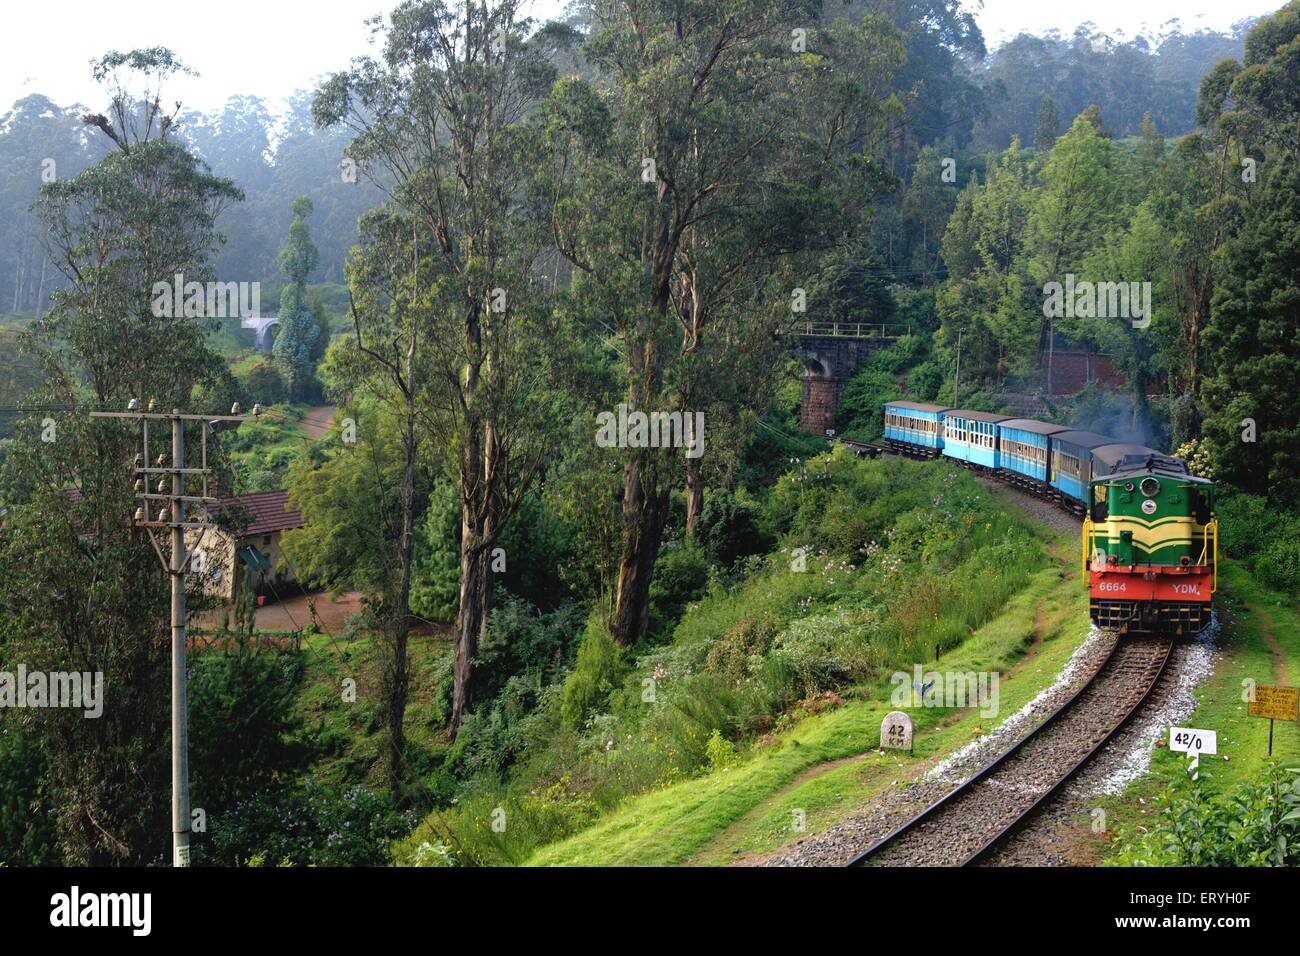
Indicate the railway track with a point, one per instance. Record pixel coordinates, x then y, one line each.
969 823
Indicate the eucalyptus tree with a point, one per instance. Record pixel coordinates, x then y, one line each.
455 327
1252 391
80 588
714 149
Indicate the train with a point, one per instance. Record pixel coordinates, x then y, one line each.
1150 538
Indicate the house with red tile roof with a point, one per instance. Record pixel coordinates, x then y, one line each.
255 555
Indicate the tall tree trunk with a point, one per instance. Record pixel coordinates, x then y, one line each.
694 494
471 620
399 677
479 527
40 292
645 509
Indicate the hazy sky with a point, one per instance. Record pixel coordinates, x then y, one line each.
272 47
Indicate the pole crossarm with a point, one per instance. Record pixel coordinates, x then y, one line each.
167 416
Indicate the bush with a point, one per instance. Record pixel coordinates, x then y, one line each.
28 835
727 529
537 545
263 383
681 576
520 639
827 650
308 825
465 836
1256 825
924 381
598 670
1266 539
435 583
720 751
244 729
861 413
751 638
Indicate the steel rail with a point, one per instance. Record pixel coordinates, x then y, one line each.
992 766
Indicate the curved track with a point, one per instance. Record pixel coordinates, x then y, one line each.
965 826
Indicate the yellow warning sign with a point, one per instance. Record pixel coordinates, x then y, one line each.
1276 703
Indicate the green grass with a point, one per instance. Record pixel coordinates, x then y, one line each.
1058 614
352 731
671 826
1248 613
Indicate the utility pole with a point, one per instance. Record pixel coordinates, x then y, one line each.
1051 351
956 382
180 686
173 517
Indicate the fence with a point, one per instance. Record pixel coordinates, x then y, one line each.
854 330
204 640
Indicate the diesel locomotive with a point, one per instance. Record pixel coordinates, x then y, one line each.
1150 540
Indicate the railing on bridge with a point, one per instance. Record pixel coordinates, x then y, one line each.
854 330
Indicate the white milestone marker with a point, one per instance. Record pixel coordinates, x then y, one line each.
1193 743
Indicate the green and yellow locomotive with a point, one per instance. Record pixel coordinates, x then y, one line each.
1150 545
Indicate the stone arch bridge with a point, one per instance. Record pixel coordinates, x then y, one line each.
831 354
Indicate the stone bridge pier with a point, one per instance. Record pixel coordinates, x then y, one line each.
829 362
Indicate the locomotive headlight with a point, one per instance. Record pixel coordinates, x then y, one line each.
1150 487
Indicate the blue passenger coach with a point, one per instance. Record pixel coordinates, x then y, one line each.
1024 451
1072 464
972 436
914 428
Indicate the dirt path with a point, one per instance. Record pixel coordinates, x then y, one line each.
318 420
1270 641
293 612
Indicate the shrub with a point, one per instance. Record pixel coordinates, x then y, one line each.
28 835
244 729
598 670
924 381
435 584
720 751
263 383
727 529
827 650
681 576
1267 539
861 411
464 836
1258 824
731 655
308 825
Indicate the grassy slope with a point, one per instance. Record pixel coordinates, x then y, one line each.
827 766
1029 644
353 731
748 806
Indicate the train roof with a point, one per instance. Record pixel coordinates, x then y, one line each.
1034 427
1117 452
1140 463
1082 439
976 416
918 406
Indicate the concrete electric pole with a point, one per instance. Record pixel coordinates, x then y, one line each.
173 517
